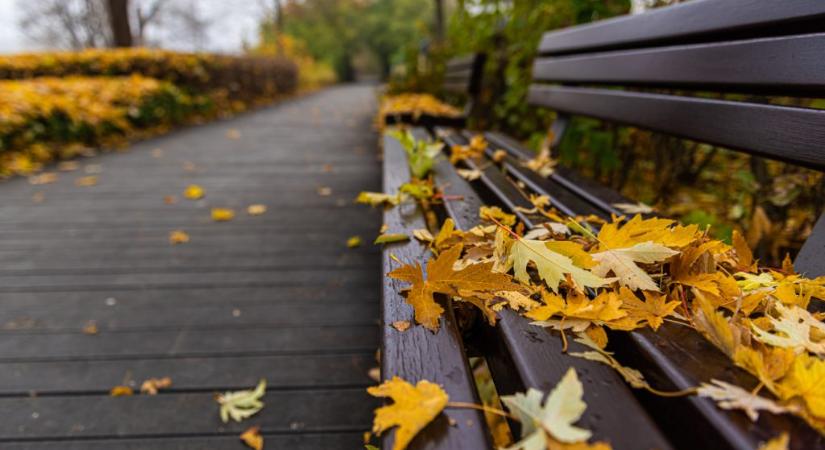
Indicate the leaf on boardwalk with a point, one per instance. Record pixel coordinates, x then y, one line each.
240 405
413 408
43 178
233 134
354 241
252 438
90 328
324 191
256 209
121 391
153 385
193 192
86 181
222 214
178 237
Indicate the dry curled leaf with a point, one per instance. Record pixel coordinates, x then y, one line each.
729 396
413 408
401 325
90 328
389 238
153 385
178 237
256 209
121 391
193 192
252 438
240 405
43 178
222 214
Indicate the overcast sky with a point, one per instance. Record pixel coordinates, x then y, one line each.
234 21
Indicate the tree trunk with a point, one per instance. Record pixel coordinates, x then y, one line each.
439 21
119 21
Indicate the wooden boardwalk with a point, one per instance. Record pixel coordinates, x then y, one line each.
277 296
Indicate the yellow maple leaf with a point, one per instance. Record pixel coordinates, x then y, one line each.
495 213
252 438
606 307
121 391
413 408
256 209
653 310
551 266
806 380
637 230
441 278
222 214
574 251
622 262
768 364
193 192
792 330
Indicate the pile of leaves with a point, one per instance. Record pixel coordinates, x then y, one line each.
415 105
582 276
44 119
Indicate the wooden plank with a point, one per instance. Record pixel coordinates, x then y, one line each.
788 134
525 356
694 20
303 441
139 316
203 374
811 258
77 417
783 65
188 342
419 354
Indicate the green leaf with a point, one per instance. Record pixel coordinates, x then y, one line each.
240 405
389 238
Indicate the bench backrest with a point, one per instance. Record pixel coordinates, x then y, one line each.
753 47
463 76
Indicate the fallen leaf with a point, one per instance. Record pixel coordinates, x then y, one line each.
499 155
563 407
222 214
401 325
729 396
622 262
374 373
780 442
153 385
170 199
653 310
157 153
634 208
121 391
469 175
86 181
806 380
256 210
551 266
326 168
193 192
413 408
233 134
90 328
495 213
93 168
38 197
43 178
354 241
68 166
178 237
441 278
792 330
324 191
252 438
240 405
389 238
422 235
378 198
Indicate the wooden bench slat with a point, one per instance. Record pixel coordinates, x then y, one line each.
811 260
791 64
522 355
683 22
418 354
793 135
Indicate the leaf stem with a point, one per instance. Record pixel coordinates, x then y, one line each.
485 408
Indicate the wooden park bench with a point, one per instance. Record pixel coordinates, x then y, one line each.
741 46
463 76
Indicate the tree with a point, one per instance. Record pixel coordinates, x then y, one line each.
69 24
119 21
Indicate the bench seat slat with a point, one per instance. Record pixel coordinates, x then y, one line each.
687 21
788 64
522 356
418 354
793 135
810 260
